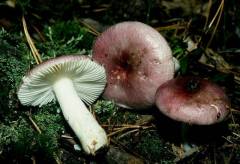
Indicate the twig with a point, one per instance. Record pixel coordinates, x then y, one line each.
227 140
35 53
66 136
58 161
238 135
100 9
39 33
90 28
176 26
235 111
208 11
127 133
34 124
124 125
219 14
33 160
216 14
205 28
116 132
120 128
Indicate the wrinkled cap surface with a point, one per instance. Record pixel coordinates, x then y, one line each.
193 100
88 78
137 60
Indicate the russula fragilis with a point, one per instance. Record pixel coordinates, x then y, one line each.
193 100
137 60
71 80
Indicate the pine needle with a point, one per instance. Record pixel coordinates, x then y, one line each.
90 29
217 18
34 51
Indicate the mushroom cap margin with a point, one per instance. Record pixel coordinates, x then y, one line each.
88 77
149 63
207 105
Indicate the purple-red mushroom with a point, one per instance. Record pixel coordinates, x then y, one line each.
137 60
193 100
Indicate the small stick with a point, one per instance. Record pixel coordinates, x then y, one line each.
219 14
35 53
118 130
238 135
227 140
34 124
33 160
90 29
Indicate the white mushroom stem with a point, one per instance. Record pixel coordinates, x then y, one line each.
91 135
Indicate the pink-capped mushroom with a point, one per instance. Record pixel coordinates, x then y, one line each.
193 100
137 60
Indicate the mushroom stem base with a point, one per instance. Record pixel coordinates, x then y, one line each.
91 135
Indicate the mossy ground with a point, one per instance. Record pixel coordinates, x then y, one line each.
41 135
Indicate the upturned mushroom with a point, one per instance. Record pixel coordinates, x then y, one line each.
137 60
72 81
193 100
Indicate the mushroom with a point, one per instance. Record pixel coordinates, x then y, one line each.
192 100
72 81
137 60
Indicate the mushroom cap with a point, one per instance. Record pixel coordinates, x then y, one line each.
88 78
193 100
137 60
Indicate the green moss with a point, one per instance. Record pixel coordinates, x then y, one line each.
104 109
65 38
14 62
51 124
13 59
179 49
49 120
153 148
16 138
109 111
21 140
